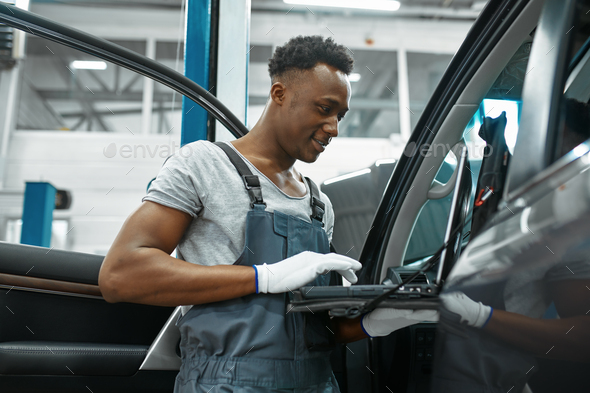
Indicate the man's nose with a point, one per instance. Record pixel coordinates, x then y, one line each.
331 128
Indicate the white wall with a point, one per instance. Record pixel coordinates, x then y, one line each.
106 190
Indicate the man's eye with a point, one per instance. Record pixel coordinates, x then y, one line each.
326 109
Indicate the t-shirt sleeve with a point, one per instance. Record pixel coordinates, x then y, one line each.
175 187
328 217
572 270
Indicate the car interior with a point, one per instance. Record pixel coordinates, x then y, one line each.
454 128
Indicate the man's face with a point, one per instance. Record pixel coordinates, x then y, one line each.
315 102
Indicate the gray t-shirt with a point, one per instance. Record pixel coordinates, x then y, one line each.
200 180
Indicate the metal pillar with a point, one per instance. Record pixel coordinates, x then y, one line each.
404 95
148 90
38 214
233 58
9 83
197 43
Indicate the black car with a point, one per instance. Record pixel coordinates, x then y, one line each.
521 80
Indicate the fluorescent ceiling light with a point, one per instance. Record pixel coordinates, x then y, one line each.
22 4
379 5
354 77
89 65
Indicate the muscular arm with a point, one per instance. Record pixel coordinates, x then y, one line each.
567 338
138 267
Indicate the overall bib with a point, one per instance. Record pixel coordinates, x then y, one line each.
253 343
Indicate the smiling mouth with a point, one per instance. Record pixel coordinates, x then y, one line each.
322 144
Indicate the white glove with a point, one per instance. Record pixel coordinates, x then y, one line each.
300 269
383 321
472 313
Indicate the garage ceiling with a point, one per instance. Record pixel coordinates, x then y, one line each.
438 9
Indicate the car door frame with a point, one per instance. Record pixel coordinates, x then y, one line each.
533 176
482 38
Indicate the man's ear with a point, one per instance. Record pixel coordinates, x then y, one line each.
277 93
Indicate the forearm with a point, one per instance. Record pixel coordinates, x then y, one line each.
150 276
567 338
348 330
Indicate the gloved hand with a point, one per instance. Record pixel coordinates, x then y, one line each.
383 321
472 313
298 270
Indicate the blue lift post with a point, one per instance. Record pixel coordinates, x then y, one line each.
38 214
196 67
197 43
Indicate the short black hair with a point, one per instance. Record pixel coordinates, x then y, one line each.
303 53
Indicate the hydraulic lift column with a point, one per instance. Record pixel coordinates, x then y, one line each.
216 55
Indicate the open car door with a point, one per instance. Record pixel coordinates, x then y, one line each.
57 332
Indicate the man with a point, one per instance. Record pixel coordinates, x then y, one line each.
239 215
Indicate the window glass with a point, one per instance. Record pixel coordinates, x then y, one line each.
503 99
573 126
425 71
81 128
167 103
374 105
59 232
428 232
63 89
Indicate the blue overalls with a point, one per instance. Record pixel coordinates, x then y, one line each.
253 343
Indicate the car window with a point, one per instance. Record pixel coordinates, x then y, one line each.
425 71
63 89
503 99
573 126
513 267
429 229
74 107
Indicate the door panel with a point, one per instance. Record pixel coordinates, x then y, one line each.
37 316
63 333
142 381
30 261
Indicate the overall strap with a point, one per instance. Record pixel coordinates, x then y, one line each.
251 181
318 207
